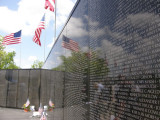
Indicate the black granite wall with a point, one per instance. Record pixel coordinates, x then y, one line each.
38 85
114 71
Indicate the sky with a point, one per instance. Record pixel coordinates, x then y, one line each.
25 15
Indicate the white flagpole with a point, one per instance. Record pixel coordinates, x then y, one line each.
44 45
55 19
44 35
20 55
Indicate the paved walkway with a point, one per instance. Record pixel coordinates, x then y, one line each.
17 114
56 114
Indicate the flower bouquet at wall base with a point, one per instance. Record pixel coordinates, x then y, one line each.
26 106
51 106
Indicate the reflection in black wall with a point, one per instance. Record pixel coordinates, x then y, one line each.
119 50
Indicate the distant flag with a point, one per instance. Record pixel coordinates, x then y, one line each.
38 31
27 103
50 103
70 44
40 110
13 38
49 4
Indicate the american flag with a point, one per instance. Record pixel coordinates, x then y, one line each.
27 103
50 103
40 110
50 4
38 31
70 44
13 38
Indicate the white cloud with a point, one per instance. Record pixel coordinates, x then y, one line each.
60 20
51 44
59 59
57 53
16 60
10 49
76 28
64 7
67 53
26 66
25 63
85 49
30 15
50 64
27 17
32 58
9 20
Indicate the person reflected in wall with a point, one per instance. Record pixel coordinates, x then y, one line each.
127 87
114 99
9 76
99 87
117 100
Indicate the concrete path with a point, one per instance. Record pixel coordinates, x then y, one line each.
17 114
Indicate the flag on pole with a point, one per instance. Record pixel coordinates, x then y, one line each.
27 103
40 110
13 38
49 4
70 44
50 103
38 31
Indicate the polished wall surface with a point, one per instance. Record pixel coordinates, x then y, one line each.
40 86
126 34
115 71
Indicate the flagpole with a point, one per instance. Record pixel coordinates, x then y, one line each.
55 19
20 55
44 45
45 35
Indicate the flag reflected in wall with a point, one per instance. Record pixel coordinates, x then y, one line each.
70 44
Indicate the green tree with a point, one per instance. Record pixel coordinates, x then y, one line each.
37 64
6 58
82 62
